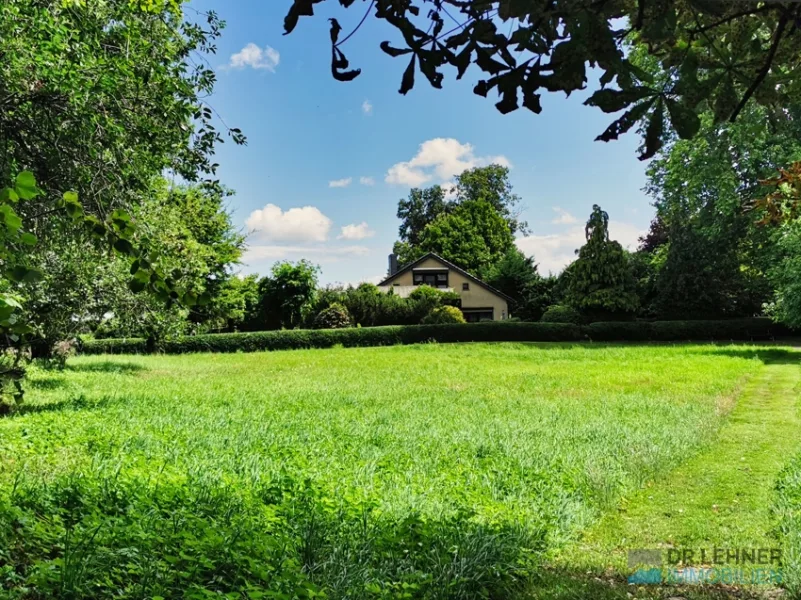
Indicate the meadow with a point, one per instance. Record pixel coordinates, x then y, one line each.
437 471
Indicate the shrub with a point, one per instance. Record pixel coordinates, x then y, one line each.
561 314
334 317
490 331
442 315
435 296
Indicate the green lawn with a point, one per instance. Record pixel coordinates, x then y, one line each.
420 471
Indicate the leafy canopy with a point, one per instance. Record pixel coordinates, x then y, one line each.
711 53
601 280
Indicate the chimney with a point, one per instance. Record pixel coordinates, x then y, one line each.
393 264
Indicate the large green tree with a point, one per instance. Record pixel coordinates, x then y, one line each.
97 99
711 55
482 201
600 282
287 294
710 255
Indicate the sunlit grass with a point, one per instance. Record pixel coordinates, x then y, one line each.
506 449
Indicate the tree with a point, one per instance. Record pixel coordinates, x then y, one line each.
712 55
287 294
710 255
429 221
472 236
190 237
601 281
516 276
99 98
96 99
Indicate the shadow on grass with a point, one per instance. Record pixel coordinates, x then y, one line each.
769 356
80 402
107 366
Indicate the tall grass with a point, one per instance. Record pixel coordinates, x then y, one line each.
419 471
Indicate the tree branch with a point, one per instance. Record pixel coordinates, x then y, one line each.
765 68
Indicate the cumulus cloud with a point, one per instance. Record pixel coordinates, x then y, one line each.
340 183
367 107
296 225
266 58
563 217
553 252
439 159
356 232
366 180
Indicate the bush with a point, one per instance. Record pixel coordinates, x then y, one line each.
489 331
334 317
435 296
442 315
561 314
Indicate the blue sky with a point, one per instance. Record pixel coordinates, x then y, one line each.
327 162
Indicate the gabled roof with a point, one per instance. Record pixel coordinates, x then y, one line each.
451 267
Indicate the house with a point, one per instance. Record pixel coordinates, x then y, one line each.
480 302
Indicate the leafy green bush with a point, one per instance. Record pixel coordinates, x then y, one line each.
443 314
436 296
561 314
334 317
490 331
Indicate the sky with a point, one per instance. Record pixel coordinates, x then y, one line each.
326 162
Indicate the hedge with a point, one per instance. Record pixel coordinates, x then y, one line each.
354 336
620 331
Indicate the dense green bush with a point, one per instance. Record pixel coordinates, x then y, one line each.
436 296
489 331
334 317
561 314
752 329
443 314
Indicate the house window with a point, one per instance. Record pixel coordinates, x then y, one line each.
437 279
465 287
475 315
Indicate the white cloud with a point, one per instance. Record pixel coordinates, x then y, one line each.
367 107
256 58
340 183
356 232
440 159
366 180
563 217
553 252
296 225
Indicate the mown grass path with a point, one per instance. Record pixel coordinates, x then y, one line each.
722 497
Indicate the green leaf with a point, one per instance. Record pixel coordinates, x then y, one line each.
124 246
653 133
611 101
685 121
8 195
71 198
22 274
10 218
25 186
28 239
136 285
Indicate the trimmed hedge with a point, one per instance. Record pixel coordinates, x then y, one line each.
355 336
618 331
757 328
